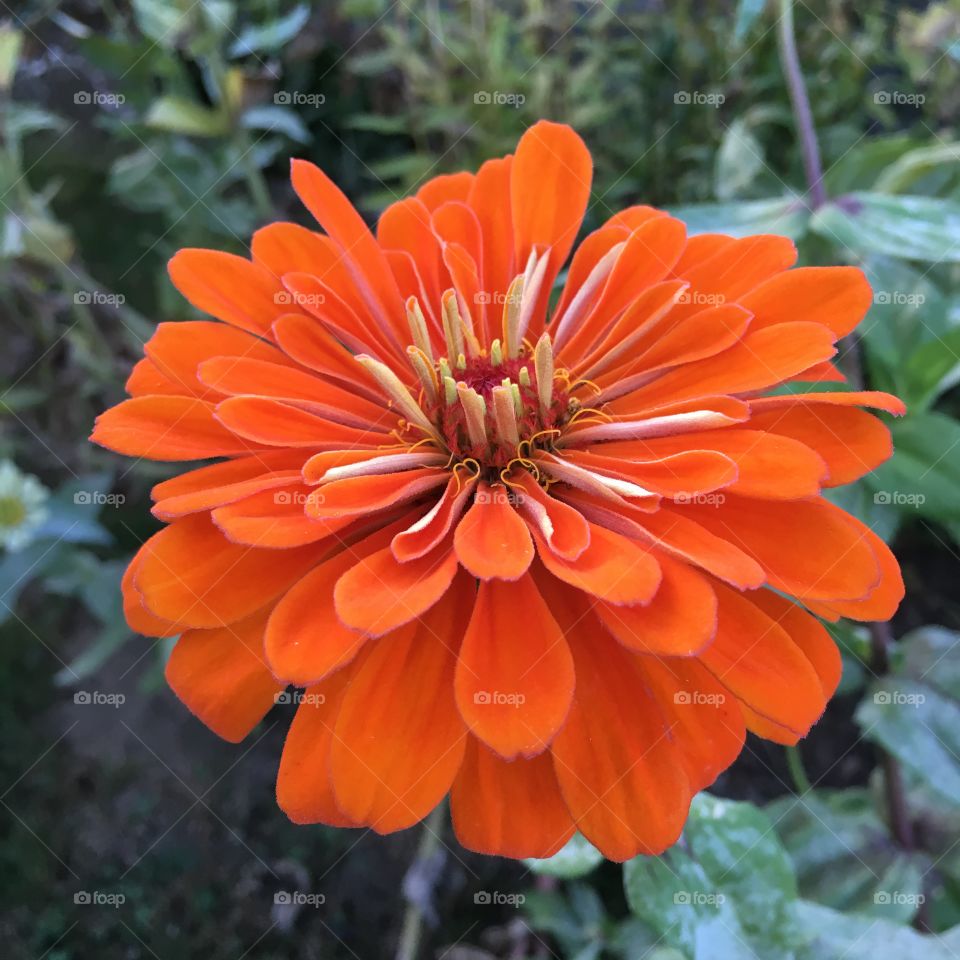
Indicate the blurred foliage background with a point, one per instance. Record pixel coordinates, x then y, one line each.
131 129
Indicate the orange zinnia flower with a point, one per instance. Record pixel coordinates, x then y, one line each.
540 559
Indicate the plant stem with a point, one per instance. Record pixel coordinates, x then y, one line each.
797 773
430 840
802 115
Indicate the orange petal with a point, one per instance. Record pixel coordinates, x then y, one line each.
562 527
379 593
680 620
228 287
706 722
444 188
279 424
304 785
508 808
807 633
224 482
305 640
489 199
621 775
515 676
851 442
612 568
758 663
402 695
167 428
492 540
334 212
177 349
549 189
837 297
275 518
427 532
376 491
829 556
192 575
138 618
406 225
239 376
222 677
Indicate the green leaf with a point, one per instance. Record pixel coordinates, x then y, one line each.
11 40
276 119
728 881
915 164
923 475
747 13
831 935
843 855
178 115
783 215
272 35
932 369
739 160
577 858
914 228
914 713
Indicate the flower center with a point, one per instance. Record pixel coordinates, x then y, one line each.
13 511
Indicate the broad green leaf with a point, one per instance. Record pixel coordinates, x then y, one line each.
914 228
831 935
783 215
11 40
923 476
178 115
739 160
729 880
913 165
931 369
276 119
843 855
747 13
271 36
914 713
577 858
859 168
